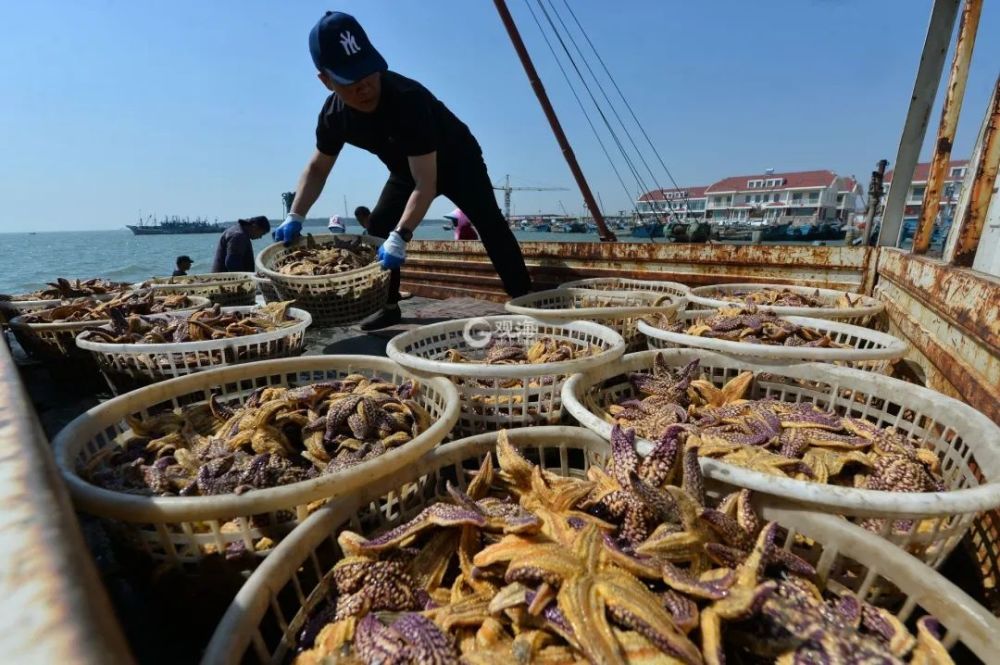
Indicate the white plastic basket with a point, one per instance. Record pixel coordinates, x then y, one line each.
185 529
266 289
56 341
866 349
130 365
10 309
332 300
229 289
618 310
264 621
486 403
625 284
863 313
966 441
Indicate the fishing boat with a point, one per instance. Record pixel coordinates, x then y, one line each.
573 227
175 226
647 230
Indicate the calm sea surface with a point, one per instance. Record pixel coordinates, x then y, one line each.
28 261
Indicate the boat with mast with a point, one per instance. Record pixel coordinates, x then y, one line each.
174 225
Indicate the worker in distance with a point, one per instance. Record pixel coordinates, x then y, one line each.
426 148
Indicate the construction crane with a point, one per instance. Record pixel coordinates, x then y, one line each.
507 189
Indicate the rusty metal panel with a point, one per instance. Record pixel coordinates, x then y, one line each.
950 110
55 606
951 316
977 195
954 364
968 299
441 264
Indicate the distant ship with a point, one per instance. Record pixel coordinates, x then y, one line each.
174 226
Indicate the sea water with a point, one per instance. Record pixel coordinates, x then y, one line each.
28 261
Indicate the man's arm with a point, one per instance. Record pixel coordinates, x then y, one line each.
311 182
423 168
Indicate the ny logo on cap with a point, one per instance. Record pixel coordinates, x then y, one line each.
349 43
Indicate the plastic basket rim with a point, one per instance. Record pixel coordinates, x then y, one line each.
30 303
892 347
516 306
699 295
234 633
77 325
260 261
860 502
69 441
583 284
303 321
395 350
211 279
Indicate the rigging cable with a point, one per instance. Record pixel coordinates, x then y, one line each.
583 109
621 94
604 93
628 161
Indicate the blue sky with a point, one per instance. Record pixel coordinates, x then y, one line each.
209 108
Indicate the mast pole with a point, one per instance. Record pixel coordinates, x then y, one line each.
550 115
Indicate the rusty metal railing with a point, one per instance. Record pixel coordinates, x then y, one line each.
54 607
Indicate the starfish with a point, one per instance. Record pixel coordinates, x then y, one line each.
929 649
413 638
365 585
592 593
707 395
761 460
827 463
885 440
743 600
664 381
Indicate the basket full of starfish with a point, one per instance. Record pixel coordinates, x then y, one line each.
675 289
336 278
509 370
618 310
50 334
792 300
137 350
229 289
12 305
905 462
747 331
501 549
227 461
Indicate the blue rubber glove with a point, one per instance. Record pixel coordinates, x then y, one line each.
392 253
289 230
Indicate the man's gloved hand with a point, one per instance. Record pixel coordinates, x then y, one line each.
392 253
289 230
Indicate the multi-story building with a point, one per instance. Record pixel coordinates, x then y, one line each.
793 197
849 198
686 203
915 194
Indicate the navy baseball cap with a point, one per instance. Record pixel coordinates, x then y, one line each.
341 50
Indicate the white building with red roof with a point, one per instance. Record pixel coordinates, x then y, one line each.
684 203
796 197
915 194
850 198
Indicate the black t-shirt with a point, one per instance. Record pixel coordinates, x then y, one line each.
408 122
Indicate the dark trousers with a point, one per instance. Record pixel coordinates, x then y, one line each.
470 189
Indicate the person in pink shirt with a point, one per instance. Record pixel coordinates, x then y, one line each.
462 226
